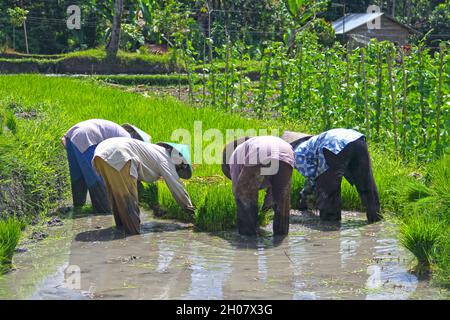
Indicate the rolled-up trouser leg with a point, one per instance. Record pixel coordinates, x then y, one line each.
122 193
245 191
360 172
281 192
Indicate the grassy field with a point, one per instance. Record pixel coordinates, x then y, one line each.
35 111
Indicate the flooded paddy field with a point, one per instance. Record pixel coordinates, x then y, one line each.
86 258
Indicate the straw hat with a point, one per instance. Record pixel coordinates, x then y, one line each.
136 133
183 156
227 152
294 137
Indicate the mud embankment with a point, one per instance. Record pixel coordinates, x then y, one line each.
84 65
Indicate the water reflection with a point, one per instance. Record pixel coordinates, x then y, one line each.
169 260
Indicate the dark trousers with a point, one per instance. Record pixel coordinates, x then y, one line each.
83 178
353 163
245 191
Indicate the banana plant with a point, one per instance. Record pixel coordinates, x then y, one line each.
303 12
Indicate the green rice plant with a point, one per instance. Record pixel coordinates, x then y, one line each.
218 212
148 194
439 174
441 259
171 209
350 197
10 230
11 123
420 233
297 185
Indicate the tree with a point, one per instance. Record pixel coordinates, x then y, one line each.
18 17
303 13
113 45
440 18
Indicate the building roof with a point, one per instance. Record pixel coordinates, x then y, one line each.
353 20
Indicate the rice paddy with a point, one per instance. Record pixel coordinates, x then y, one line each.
35 111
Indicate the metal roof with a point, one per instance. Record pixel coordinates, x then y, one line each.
353 20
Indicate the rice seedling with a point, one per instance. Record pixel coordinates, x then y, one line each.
10 230
297 185
419 233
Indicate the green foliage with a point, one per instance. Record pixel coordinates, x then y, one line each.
324 31
425 214
440 18
213 200
302 10
411 118
10 230
419 233
11 123
18 16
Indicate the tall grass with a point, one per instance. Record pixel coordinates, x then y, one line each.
10 230
424 209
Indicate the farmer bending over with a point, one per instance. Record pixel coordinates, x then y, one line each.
326 158
80 142
258 163
121 162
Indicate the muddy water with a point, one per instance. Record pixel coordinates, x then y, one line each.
87 259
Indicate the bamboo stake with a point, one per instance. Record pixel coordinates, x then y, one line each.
264 85
366 107
391 86
326 85
283 83
241 75
439 97
405 101
347 82
204 74
227 54
379 91
300 76
421 93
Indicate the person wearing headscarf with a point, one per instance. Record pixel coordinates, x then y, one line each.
324 159
122 162
80 142
256 163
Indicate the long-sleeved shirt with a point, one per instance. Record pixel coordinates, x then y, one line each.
309 158
91 132
260 151
149 162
